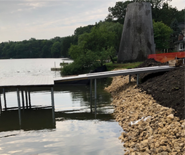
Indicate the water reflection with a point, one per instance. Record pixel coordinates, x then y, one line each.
81 94
67 97
81 126
30 120
89 108
38 119
69 137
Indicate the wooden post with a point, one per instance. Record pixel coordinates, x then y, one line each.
0 105
91 95
95 108
129 78
26 96
53 105
29 98
4 93
22 93
95 95
137 79
91 88
19 106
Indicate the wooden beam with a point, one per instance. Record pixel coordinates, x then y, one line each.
4 94
53 105
19 106
22 94
137 79
29 99
129 78
95 93
26 96
0 105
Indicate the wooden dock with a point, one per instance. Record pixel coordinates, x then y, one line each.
98 75
26 81
23 84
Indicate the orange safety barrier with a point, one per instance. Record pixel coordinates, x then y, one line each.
164 57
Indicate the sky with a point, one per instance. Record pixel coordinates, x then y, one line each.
46 19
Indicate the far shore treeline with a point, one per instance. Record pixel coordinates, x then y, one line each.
99 41
54 48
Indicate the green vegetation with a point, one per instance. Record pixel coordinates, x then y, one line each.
161 11
94 48
32 48
162 35
112 66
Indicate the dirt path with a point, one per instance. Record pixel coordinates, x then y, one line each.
158 132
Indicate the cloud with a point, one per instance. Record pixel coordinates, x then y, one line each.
179 4
46 17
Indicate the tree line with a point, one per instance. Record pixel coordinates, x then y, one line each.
33 48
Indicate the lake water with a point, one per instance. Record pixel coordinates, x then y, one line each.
81 125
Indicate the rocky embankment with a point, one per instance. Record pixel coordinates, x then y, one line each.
149 128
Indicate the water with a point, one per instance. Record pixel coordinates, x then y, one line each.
81 126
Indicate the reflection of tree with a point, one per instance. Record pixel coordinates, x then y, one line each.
60 116
83 94
32 119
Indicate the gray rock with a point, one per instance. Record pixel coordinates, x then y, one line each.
137 40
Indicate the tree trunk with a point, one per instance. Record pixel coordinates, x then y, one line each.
137 40
111 59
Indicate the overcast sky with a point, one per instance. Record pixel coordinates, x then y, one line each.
46 19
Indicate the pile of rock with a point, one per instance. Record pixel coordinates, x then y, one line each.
149 128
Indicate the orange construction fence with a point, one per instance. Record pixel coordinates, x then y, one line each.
164 57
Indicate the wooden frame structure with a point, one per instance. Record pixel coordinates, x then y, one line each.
22 84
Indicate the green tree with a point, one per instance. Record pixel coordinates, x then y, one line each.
180 16
101 40
117 13
55 50
162 35
93 48
161 10
85 29
176 30
46 49
7 50
65 45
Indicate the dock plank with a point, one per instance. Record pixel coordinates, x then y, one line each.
49 81
26 81
115 73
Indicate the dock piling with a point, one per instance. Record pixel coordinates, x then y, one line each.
29 99
53 105
91 95
0 105
129 78
19 106
95 95
4 93
26 97
137 79
22 94
95 109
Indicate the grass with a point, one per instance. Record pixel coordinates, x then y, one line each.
111 66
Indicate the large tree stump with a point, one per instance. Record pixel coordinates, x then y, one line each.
137 40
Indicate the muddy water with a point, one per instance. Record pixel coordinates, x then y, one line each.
80 127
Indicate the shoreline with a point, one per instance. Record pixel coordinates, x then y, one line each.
159 132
